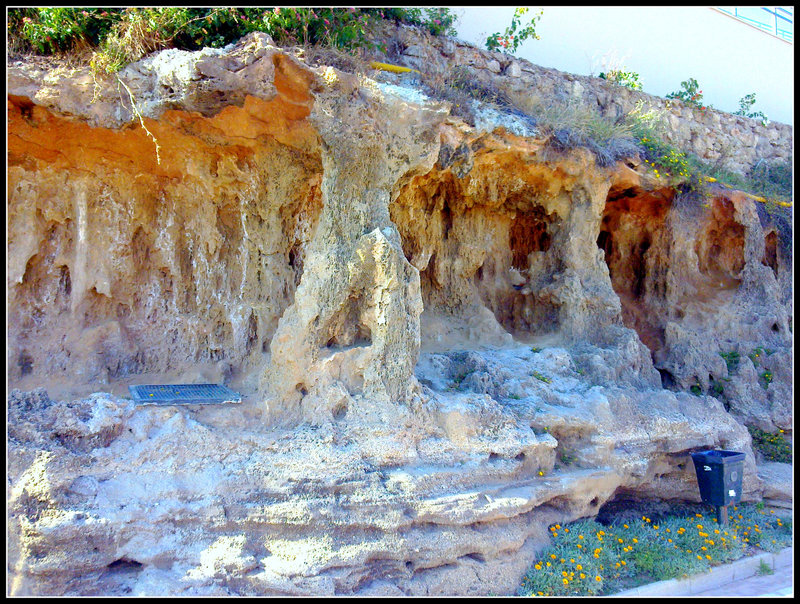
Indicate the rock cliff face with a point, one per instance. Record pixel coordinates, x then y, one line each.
737 141
447 337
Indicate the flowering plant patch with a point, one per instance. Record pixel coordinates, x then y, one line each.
515 34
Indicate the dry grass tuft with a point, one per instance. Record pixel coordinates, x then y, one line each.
356 61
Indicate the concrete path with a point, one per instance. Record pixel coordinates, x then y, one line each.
780 584
735 579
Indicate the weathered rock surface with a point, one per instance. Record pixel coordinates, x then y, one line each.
717 136
448 337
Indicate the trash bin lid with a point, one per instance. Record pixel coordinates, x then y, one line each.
718 456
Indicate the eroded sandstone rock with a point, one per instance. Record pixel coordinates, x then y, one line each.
447 337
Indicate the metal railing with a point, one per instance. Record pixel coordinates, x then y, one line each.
775 20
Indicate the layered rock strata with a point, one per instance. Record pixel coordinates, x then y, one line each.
447 337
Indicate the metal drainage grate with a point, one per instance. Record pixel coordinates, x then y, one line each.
183 394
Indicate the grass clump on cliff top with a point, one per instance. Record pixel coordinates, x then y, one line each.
572 124
586 558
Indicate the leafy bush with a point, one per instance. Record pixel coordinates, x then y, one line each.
690 94
438 21
121 35
628 79
515 34
59 29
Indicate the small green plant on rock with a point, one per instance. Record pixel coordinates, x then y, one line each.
535 349
567 458
515 34
460 377
540 377
628 79
756 354
764 569
731 360
696 389
766 379
773 446
745 108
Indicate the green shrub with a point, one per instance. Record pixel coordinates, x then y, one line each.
628 79
773 446
745 108
689 94
122 35
731 360
439 21
59 29
515 34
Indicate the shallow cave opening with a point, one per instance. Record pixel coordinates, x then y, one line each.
631 226
348 328
720 248
481 242
511 283
528 233
770 258
626 505
125 564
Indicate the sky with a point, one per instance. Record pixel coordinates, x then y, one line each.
664 45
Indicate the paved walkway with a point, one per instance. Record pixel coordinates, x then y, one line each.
780 584
738 578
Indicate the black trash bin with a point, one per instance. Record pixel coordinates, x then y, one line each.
719 477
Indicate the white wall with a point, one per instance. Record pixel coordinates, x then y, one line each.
664 45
